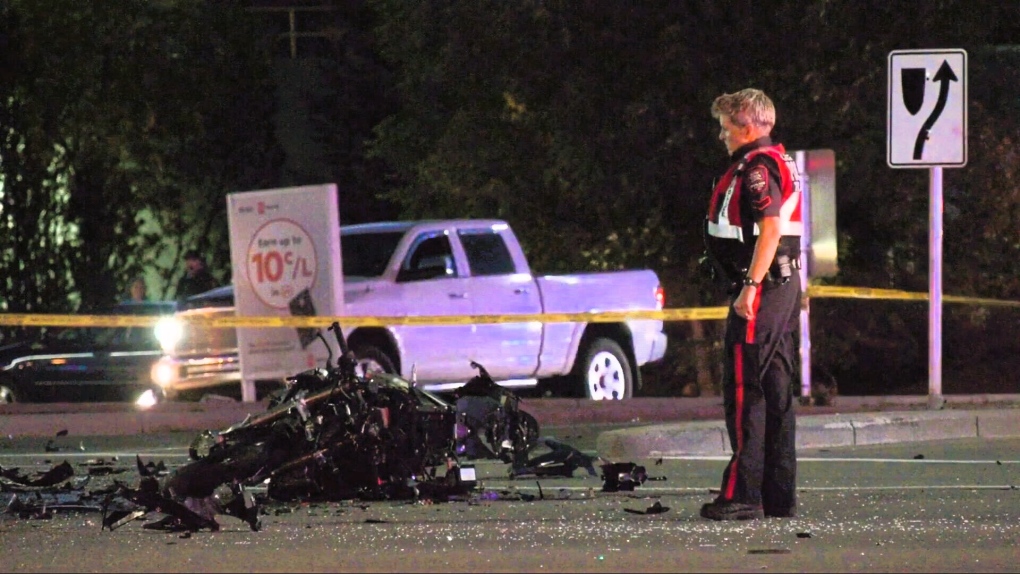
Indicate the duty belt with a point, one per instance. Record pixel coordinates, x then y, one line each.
779 272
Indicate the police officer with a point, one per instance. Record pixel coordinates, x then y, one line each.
752 237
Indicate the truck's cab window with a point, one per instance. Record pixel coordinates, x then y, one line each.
486 252
430 257
367 254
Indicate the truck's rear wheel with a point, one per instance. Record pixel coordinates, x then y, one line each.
373 359
604 371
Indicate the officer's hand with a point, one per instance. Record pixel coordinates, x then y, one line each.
744 305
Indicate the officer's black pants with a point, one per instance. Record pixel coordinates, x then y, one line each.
759 373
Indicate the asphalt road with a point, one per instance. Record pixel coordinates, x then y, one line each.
918 507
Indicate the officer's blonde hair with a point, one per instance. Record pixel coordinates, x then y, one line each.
748 106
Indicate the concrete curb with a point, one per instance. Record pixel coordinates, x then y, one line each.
709 438
120 420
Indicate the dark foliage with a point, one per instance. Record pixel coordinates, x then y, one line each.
584 123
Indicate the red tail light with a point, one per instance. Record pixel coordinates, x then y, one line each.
660 297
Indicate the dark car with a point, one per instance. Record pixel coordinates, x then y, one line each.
85 364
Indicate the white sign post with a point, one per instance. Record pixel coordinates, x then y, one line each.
285 253
818 255
927 127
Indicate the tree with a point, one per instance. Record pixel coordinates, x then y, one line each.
124 126
541 120
354 92
586 124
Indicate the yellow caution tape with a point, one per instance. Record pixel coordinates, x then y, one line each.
979 301
37 320
684 314
12 319
869 293
863 293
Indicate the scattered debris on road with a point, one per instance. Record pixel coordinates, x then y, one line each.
656 508
330 435
622 476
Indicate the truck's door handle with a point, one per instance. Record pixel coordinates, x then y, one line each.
520 291
458 295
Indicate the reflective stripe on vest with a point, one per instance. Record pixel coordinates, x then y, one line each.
790 222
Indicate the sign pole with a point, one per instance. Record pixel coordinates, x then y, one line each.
927 127
805 309
935 399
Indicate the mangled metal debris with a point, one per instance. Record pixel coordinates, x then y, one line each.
656 508
563 460
57 489
51 477
622 476
490 423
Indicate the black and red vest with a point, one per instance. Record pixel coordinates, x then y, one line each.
730 227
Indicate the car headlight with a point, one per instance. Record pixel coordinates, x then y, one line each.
169 331
147 399
163 373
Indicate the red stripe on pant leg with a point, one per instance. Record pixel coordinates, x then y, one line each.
738 370
755 306
738 376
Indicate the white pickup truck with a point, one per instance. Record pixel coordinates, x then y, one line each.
457 267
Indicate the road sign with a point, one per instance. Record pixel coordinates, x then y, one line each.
927 109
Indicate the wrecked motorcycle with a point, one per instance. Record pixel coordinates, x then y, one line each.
333 434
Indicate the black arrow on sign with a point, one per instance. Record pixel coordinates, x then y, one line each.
944 75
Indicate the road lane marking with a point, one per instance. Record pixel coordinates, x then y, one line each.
550 490
183 453
851 459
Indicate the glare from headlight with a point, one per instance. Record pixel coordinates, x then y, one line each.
163 373
146 399
169 331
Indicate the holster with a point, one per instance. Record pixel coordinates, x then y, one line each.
726 276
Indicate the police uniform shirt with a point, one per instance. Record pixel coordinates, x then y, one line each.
759 195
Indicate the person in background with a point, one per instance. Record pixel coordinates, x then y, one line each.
196 279
752 235
136 290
